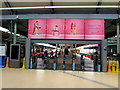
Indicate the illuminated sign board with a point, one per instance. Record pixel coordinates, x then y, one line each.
66 29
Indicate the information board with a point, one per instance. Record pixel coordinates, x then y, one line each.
88 29
94 29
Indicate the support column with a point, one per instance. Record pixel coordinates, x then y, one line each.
28 52
104 55
15 32
118 38
11 30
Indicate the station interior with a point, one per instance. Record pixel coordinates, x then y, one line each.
35 57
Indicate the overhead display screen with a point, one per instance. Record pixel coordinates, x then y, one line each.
88 29
74 29
37 28
55 28
94 29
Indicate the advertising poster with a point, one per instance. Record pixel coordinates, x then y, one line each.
55 28
37 28
94 29
74 29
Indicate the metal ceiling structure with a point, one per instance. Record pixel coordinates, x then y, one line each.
111 15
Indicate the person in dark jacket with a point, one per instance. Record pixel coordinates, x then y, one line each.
66 51
46 53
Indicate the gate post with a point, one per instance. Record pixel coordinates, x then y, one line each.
28 52
104 55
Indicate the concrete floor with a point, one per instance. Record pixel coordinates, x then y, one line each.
32 78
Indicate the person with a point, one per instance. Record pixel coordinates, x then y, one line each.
56 53
46 53
82 62
73 56
55 30
61 52
73 28
66 51
96 61
36 27
52 55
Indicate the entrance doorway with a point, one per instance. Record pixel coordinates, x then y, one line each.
80 57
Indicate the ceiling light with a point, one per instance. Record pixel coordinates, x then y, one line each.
43 7
3 29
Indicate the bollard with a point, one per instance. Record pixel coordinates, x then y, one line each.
23 67
109 67
117 66
54 66
31 63
99 66
113 66
73 66
7 63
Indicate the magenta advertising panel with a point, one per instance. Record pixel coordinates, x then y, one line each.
94 29
74 29
37 28
55 28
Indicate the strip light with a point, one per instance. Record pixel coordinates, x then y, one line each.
7 31
47 45
87 46
43 7
3 29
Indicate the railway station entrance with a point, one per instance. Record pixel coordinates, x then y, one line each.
66 55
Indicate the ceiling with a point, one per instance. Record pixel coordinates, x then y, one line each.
110 25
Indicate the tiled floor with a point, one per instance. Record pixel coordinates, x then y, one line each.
32 78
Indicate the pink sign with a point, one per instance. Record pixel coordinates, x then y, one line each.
55 28
37 28
94 29
74 29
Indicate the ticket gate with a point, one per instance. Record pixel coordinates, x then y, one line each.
67 64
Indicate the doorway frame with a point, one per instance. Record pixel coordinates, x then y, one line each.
103 48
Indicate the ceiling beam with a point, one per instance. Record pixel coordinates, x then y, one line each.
65 16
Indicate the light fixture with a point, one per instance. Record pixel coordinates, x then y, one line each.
3 29
13 34
43 7
7 31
